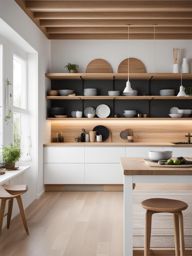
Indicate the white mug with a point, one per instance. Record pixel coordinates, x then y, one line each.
79 114
99 138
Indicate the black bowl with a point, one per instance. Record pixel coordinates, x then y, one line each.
57 111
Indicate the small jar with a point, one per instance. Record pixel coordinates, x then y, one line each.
99 138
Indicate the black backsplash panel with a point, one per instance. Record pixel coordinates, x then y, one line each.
154 108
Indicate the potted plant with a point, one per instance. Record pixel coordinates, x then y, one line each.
72 68
11 154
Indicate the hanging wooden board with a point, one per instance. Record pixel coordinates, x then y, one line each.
135 66
99 66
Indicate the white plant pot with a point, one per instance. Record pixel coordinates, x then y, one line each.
176 68
185 66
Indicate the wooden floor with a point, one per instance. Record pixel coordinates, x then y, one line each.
69 224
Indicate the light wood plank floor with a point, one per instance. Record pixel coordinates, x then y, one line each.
69 224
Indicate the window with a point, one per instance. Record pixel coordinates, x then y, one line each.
21 133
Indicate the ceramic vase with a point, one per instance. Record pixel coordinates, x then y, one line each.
185 66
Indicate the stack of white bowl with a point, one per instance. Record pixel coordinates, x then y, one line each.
90 92
167 92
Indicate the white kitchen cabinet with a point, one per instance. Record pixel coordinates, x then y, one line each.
63 173
104 154
103 174
64 155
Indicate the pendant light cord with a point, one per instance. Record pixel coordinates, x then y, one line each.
128 31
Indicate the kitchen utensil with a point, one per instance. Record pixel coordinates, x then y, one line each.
65 92
185 112
61 116
92 135
175 115
104 131
99 138
173 110
167 92
90 92
113 93
57 111
99 66
159 155
125 133
135 66
103 111
89 110
52 93
129 113
79 114
176 55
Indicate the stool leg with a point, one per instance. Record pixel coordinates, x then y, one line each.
148 221
176 225
22 213
2 212
10 208
181 234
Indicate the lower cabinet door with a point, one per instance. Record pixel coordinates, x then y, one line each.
63 173
103 174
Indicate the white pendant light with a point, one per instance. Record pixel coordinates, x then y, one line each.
181 88
128 88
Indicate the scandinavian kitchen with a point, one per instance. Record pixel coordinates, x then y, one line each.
95 128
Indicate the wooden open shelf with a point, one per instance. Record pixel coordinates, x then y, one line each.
110 76
118 118
105 97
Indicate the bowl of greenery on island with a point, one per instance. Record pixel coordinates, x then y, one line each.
11 155
72 68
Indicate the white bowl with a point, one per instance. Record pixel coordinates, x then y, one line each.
113 93
130 111
185 112
128 115
90 92
65 92
159 155
167 92
132 93
175 115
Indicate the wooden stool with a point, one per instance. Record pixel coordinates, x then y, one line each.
8 193
162 205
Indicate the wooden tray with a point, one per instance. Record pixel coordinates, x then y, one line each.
152 164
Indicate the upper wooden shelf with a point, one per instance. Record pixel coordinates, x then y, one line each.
110 76
105 97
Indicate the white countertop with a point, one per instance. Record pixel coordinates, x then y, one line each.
10 174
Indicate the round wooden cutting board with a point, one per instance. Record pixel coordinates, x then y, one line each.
135 66
99 66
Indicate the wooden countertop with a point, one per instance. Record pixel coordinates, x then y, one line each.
137 166
116 144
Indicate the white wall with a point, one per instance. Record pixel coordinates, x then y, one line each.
157 56
29 34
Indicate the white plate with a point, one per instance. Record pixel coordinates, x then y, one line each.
89 110
173 110
103 111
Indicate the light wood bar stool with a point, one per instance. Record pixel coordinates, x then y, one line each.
8 193
162 205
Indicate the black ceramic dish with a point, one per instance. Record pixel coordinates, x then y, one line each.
102 130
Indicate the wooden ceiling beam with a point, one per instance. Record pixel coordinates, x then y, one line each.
113 23
103 6
138 30
113 15
119 36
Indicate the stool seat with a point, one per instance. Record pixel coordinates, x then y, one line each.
16 189
164 205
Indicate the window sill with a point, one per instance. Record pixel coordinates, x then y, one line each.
10 174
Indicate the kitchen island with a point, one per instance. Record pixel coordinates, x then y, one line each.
137 171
